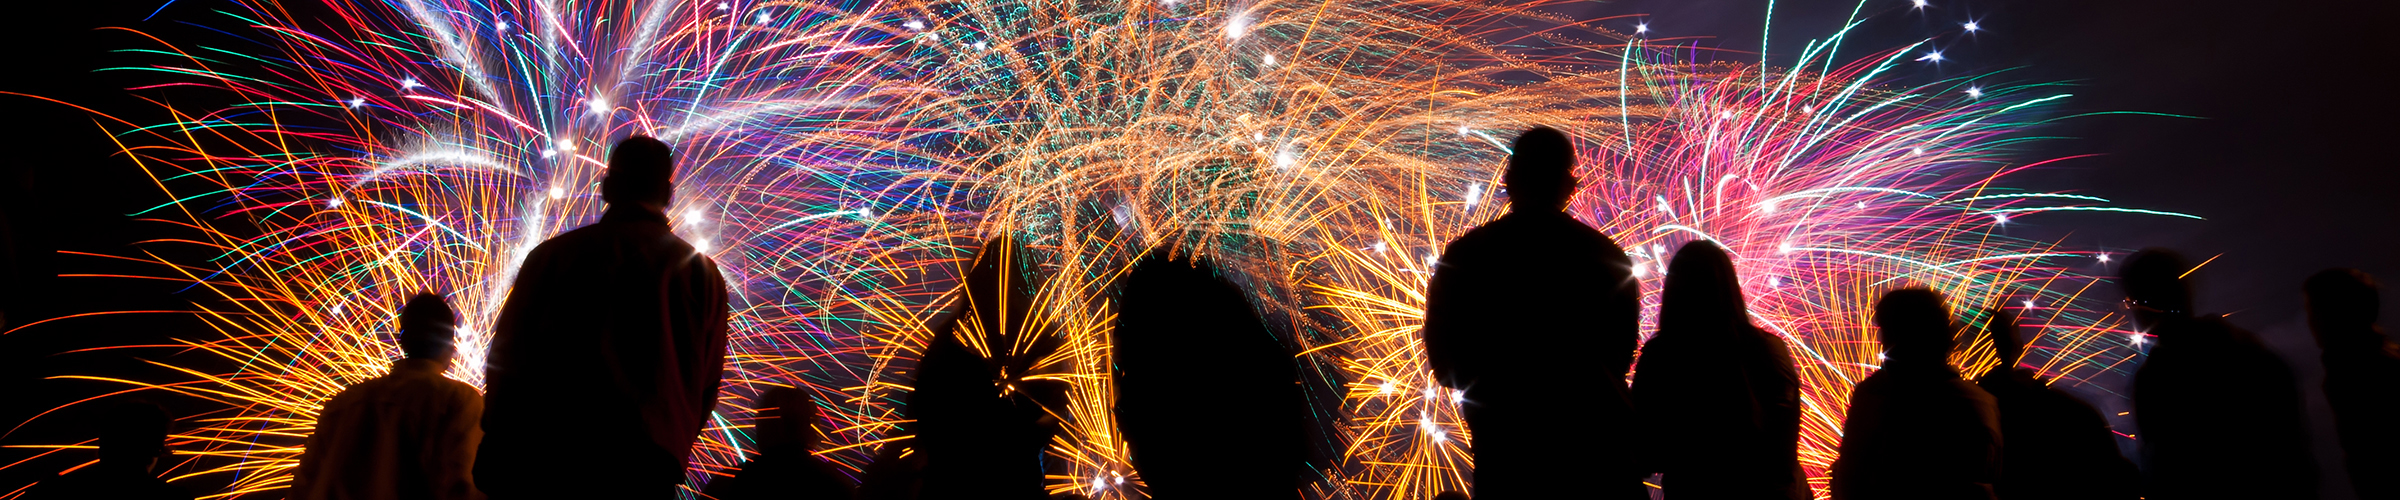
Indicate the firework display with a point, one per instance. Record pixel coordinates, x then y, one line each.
843 160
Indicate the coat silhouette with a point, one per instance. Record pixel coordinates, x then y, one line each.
1917 430
409 434
2219 415
2053 446
605 361
1208 399
132 438
784 467
2362 378
1539 282
1719 397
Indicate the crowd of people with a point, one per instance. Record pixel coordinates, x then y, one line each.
606 360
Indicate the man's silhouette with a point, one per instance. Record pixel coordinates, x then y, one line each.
606 358
784 466
2362 377
132 437
2053 446
2219 415
1719 397
1916 430
1207 398
1538 281
408 434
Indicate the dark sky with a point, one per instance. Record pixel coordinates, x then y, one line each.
2287 159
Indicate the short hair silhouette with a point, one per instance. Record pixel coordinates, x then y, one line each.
1913 322
1702 287
2342 298
2008 338
133 433
2153 279
641 170
1541 170
790 430
428 328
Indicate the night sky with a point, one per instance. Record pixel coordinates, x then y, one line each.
2287 158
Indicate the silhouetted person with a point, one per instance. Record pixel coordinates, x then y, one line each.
2219 414
409 434
979 422
606 358
784 467
1719 397
2053 446
1917 430
2362 377
1207 398
1538 281
132 438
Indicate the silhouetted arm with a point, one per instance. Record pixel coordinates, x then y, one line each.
1450 309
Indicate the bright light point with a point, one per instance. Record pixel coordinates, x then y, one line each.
1458 397
700 245
1916 151
2000 218
410 83
1235 27
1099 483
1767 206
1774 282
724 6
980 46
1641 28
1430 260
1861 205
1641 271
337 309
1388 389
1120 479
2028 303
500 26
1935 56
695 214
333 203
1882 357
1463 130
915 25
1784 248
1474 193
1920 3
1439 436
1973 26
1432 393
546 153
599 106
565 145
2137 339
1808 108
1269 60
1975 92
2104 258
356 102
866 213
1379 246
1258 136
557 192
763 18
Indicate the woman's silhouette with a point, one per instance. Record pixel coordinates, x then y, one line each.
1719 396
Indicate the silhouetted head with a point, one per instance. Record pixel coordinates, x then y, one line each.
955 390
1703 295
2154 286
641 172
2007 337
133 435
785 421
428 329
2343 305
1541 171
1914 323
